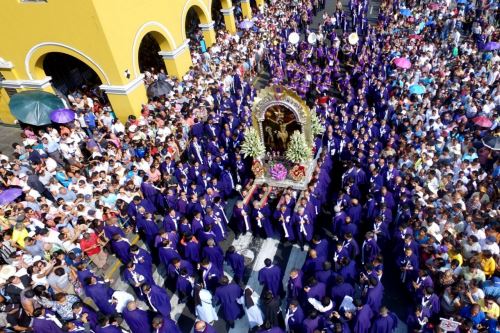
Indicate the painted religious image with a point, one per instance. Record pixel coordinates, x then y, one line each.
278 125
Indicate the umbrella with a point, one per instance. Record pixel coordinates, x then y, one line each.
10 195
34 106
417 89
294 38
491 46
62 116
246 24
159 88
492 142
405 12
402 63
462 2
434 6
482 121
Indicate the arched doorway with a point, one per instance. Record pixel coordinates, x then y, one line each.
149 59
70 74
217 15
192 23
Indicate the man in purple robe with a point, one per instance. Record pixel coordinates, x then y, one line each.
45 321
364 315
191 249
294 317
270 276
374 294
157 299
202 327
241 219
121 247
210 274
237 263
141 257
80 309
227 294
109 325
139 321
340 290
214 253
282 217
369 249
386 322
101 294
302 226
294 284
164 325
136 276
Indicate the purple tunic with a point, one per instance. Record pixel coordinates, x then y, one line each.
363 320
227 296
159 301
101 293
270 277
138 320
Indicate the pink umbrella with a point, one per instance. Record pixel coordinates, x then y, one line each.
402 63
434 6
482 121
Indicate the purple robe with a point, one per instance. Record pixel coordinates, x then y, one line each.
101 293
294 287
122 250
158 301
227 296
363 320
385 324
340 291
169 326
192 252
43 324
270 277
215 255
237 263
166 254
138 321
374 297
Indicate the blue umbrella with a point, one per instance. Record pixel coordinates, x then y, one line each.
491 46
417 89
462 2
405 12
10 195
246 24
33 107
62 116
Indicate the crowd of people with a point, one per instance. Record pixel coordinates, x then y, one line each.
403 199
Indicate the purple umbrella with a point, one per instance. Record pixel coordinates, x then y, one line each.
246 24
491 46
62 116
10 195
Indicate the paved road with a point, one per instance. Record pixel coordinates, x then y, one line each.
8 135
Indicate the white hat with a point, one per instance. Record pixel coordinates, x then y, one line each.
6 271
132 128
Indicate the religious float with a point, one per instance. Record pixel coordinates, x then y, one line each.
281 140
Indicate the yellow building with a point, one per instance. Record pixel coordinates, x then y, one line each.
105 35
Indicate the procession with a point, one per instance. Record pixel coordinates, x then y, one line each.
331 167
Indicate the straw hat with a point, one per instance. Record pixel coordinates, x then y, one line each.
6 271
